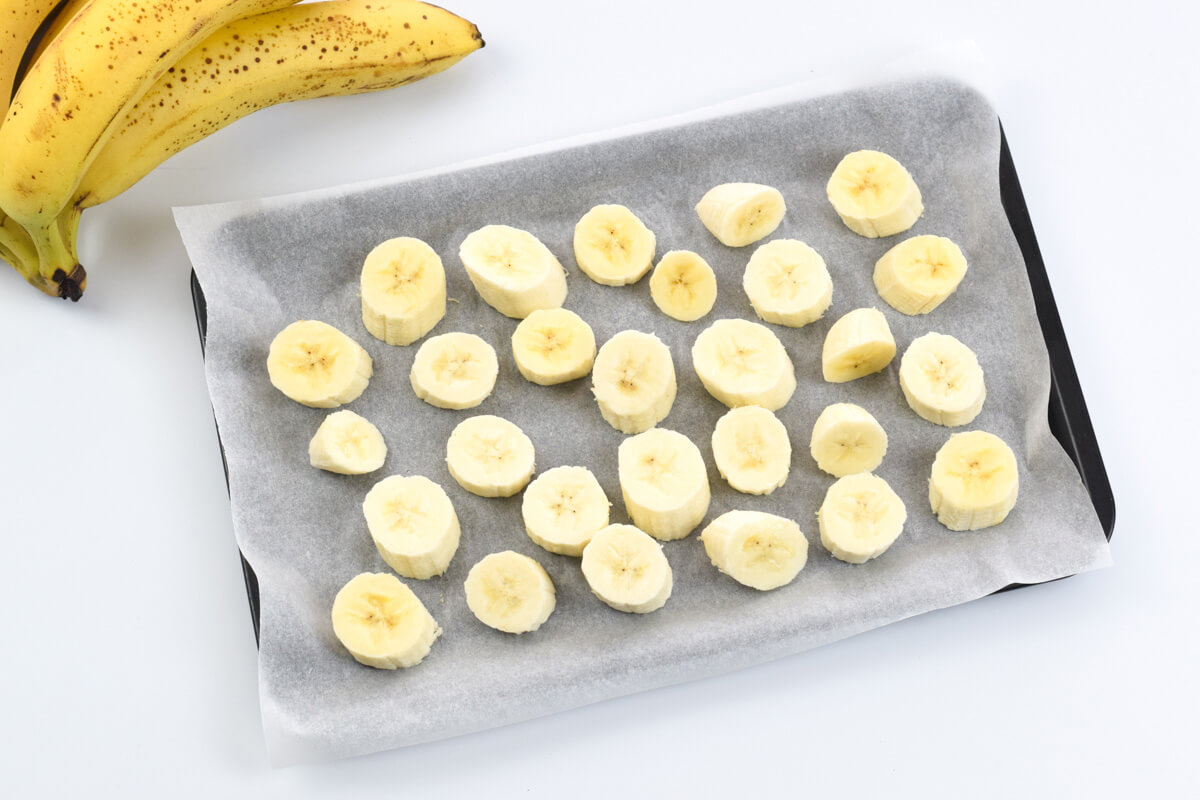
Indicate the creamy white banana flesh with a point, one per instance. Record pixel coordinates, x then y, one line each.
510 592
743 363
860 518
563 508
788 283
612 246
512 270
874 194
633 381
403 288
942 380
552 346
974 481
627 569
664 482
347 444
917 275
683 286
317 365
490 456
759 550
752 450
846 439
455 370
413 524
739 214
382 623
860 343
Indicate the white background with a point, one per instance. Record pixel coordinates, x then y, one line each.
128 661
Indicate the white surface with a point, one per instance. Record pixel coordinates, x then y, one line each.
129 658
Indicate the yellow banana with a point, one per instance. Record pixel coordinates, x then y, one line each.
67 10
19 21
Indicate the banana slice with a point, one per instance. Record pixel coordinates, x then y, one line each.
752 450
455 370
347 444
382 623
683 286
874 194
317 365
942 380
413 525
489 456
664 483
846 439
739 214
563 508
788 283
758 550
858 344
633 380
742 363
860 518
510 592
627 569
513 271
974 481
403 287
612 246
553 346
915 276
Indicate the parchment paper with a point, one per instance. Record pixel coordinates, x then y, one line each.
265 264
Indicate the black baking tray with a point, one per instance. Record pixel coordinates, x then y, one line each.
1068 415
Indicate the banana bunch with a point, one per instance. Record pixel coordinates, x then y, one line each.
112 88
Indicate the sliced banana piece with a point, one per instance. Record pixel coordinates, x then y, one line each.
874 194
860 518
413 524
563 508
489 456
788 283
752 450
455 370
846 439
859 343
683 286
758 550
739 214
513 271
553 345
633 381
743 363
612 246
317 365
664 483
627 569
509 592
347 444
942 380
915 276
974 481
382 623
403 288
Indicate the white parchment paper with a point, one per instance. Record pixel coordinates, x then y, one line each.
265 264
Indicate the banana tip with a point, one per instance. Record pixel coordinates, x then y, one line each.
70 287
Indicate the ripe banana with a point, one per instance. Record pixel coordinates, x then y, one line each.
19 23
382 623
413 524
860 518
489 456
612 246
915 276
758 550
627 570
942 380
633 381
752 450
683 286
403 288
317 365
552 346
874 194
742 363
859 343
664 483
739 214
347 444
509 592
513 271
974 481
563 508
846 439
788 283
454 370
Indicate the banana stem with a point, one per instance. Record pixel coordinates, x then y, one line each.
59 272
16 247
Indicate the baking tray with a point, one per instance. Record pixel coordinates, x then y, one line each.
1069 420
